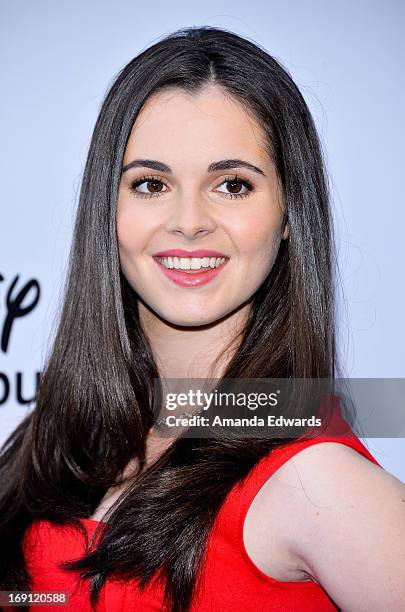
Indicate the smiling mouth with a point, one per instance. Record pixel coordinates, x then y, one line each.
191 265
191 271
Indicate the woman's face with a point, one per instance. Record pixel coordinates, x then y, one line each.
202 182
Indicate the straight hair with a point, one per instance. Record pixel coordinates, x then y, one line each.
94 405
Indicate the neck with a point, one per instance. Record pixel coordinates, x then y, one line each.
193 352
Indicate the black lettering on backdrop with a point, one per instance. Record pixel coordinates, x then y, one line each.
15 309
4 388
19 394
6 385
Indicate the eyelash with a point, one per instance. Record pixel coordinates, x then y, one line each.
229 179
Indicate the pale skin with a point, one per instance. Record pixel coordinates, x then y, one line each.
310 520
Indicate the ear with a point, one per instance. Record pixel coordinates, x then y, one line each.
286 232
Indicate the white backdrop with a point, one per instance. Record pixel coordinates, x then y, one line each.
58 58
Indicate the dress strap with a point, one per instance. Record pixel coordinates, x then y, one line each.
233 513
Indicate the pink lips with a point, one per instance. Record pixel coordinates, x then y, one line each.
190 278
183 253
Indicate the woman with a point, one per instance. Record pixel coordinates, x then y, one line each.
204 158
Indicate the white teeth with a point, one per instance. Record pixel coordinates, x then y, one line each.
191 263
195 264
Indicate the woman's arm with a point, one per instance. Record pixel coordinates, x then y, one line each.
346 525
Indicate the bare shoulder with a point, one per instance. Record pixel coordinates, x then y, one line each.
344 524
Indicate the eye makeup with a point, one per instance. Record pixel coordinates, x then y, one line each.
157 181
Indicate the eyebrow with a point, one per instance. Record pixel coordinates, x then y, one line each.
223 164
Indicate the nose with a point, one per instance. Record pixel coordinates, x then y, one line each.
190 217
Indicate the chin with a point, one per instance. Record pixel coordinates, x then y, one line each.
190 320
186 317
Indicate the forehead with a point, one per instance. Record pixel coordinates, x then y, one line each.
210 124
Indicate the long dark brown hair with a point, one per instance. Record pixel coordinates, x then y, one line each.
94 405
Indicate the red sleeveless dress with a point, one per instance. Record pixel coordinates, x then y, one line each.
231 581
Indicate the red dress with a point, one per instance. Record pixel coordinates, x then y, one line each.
231 581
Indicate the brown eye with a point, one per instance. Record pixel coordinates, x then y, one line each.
147 187
154 185
236 187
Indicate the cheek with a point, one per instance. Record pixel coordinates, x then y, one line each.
258 242
127 239
130 246
131 230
